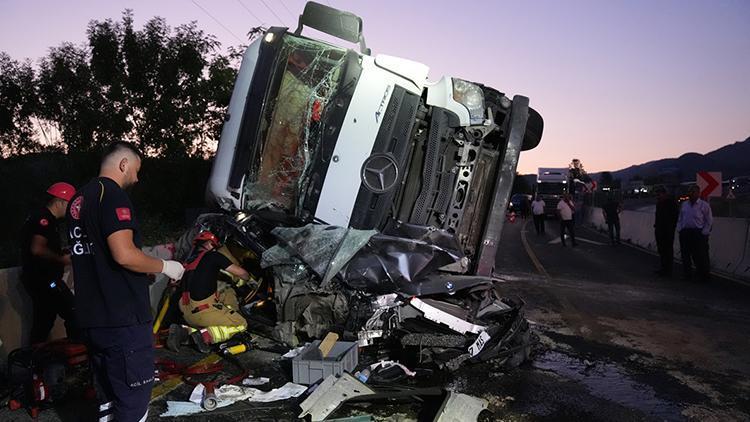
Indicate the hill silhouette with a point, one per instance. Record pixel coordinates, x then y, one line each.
731 160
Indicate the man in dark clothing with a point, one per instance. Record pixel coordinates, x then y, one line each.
43 263
612 210
525 207
112 296
665 222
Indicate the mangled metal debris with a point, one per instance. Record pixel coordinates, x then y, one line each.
334 391
330 394
377 288
459 407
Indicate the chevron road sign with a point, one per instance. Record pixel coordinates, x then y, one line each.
709 183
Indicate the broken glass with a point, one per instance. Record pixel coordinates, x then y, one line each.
308 74
325 249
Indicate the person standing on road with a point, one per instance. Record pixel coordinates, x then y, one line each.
565 211
537 209
43 264
694 225
667 211
112 289
525 206
612 210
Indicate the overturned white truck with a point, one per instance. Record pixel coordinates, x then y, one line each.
371 199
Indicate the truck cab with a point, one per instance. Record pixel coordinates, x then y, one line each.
320 133
551 184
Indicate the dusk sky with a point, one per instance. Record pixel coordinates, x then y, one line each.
617 82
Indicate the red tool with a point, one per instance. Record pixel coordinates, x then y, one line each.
38 373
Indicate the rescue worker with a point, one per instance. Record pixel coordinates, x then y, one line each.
43 263
211 315
112 288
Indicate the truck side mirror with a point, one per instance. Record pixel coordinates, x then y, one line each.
338 23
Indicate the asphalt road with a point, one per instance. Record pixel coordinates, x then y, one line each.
613 343
630 344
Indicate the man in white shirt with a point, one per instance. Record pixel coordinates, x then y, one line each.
565 211
694 225
537 209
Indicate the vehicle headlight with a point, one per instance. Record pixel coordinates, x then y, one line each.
471 97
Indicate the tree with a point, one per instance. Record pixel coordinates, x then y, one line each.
70 96
107 68
178 88
18 104
606 179
165 88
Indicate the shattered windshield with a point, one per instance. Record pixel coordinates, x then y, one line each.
306 77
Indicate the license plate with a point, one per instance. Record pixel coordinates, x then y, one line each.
479 343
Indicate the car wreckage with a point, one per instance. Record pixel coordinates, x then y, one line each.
367 200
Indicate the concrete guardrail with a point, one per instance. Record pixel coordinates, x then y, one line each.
15 304
729 242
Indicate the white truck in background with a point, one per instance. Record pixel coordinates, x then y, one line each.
551 184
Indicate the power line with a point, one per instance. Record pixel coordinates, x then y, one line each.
272 11
251 12
287 9
217 21
304 2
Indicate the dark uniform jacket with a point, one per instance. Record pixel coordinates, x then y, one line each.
38 272
201 273
107 294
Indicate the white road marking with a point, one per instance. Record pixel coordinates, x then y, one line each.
532 255
558 240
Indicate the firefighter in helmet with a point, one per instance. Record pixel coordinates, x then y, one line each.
43 263
212 316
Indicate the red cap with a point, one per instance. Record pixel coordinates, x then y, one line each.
62 190
207 236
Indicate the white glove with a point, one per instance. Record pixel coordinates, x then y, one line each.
172 269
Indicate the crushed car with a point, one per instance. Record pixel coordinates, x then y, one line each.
367 200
